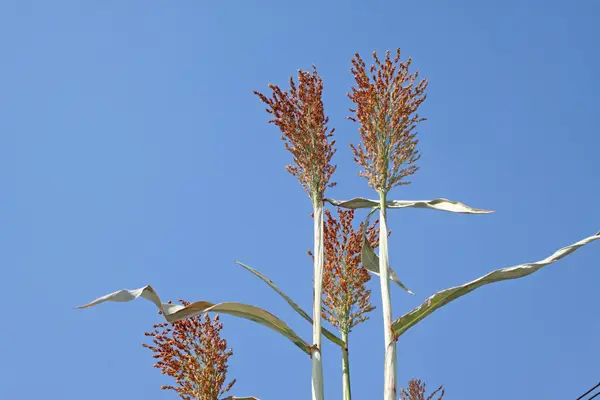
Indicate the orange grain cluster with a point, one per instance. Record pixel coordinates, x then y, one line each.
346 300
416 391
300 116
192 352
386 99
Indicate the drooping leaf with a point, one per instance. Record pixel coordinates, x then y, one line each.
444 297
370 260
176 312
358 202
241 398
292 303
436 204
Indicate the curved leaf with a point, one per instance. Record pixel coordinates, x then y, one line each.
370 260
438 204
435 204
241 398
176 312
358 202
292 303
444 297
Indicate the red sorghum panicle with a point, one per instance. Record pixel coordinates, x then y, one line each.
299 115
346 300
192 352
387 98
416 391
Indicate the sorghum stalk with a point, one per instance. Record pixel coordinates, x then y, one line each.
387 97
346 391
386 300
346 300
317 366
300 116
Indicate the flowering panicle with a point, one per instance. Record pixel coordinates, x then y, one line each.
300 116
346 300
416 391
192 352
386 108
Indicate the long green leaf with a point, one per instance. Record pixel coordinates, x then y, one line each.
292 303
370 260
444 297
176 312
358 202
435 204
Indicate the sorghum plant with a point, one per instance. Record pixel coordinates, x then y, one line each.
387 98
386 108
416 391
194 354
346 300
300 116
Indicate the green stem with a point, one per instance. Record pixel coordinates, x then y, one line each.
390 344
317 366
346 392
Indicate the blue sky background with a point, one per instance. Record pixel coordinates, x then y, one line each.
133 152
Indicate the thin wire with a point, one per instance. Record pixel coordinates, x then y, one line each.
588 392
597 394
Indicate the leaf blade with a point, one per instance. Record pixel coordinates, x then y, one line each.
176 312
440 204
329 335
357 202
440 299
370 260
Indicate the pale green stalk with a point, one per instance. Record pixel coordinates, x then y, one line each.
346 392
390 344
317 366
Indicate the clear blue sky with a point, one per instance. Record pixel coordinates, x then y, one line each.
133 152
